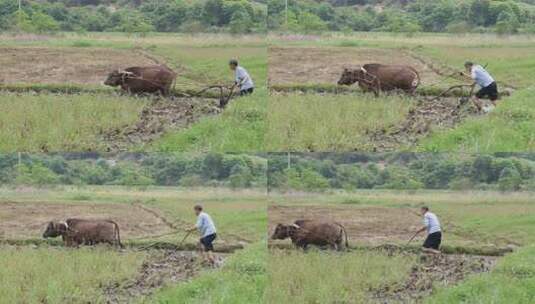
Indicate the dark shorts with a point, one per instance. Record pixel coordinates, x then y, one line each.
207 242
433 240
491 91
248 91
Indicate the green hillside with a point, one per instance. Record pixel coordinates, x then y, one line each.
236 16
455 16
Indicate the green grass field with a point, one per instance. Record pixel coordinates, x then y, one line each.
48 275
78 275
313 122
472 219
56 122
508 128
199 60
333 278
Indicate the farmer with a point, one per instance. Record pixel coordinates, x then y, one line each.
434 234
242 78
206 227
483 79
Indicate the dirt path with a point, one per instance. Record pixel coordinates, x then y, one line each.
430 272
157 118
162 267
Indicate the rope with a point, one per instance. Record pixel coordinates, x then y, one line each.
460 86
223 100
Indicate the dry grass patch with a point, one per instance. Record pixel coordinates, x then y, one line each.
64 65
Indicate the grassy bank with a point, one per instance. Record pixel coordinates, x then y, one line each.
333 277
52 275
311 122
55 122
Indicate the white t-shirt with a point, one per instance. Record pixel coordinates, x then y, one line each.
431 222
205 224
481 76
243 79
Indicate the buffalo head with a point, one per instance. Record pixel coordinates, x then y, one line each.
284 231
55 229
350 76
117 78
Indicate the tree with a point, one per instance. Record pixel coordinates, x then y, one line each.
21 21
507 23
35 174
134 22
510 180
43 23
240 177
240 22
212 12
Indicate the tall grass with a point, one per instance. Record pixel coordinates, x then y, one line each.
62 122
512 281
510 127
48 275
242 280
311 122
330 277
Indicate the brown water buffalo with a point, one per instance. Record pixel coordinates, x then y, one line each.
76 232
378 77
149 79
319 233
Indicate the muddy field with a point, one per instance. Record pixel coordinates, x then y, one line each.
64 65
157 118
28 220
430 272
425 117
370 226
293 65
162 267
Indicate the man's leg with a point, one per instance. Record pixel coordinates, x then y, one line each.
246 92
432 243
430 250
210 257
477 102
203 249
210 249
